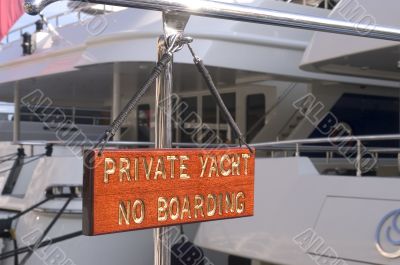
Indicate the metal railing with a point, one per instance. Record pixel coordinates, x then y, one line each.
55 19
69 113
348 146
283 148
236 12
299 145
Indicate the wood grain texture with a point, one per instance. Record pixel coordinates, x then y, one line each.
223 179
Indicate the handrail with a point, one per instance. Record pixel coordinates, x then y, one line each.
222 10
283 144
366 138
73 116
354 153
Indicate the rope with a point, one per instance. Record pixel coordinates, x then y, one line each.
18 251
176 42
217 97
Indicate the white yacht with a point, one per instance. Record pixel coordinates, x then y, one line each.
326 189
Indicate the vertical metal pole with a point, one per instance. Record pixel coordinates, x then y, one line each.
116 104
73 114
358 161
17 114
163 139
173 23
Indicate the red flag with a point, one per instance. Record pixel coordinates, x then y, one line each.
10 12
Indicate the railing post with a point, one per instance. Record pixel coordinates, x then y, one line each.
297 150
398 162
17 113
358 161
116 106
74 115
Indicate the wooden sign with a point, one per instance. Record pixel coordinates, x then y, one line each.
145 188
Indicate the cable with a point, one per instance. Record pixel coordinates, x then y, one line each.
117 123
30 208
22 250
8 155
45 232
217 97
15 251
8 159
13 154
36 157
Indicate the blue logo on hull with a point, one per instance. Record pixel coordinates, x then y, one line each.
389 229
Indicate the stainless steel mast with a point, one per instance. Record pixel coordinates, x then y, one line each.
173 24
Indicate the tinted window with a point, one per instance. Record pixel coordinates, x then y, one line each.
367 115
230 102
143 123
209 110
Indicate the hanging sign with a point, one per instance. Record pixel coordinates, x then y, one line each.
126 190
